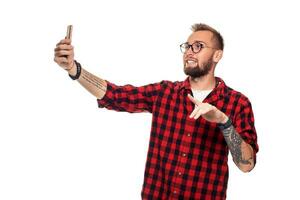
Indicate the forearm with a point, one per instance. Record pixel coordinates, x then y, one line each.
242 152
64 57
95 85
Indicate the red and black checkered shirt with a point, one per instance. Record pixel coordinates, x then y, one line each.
187 158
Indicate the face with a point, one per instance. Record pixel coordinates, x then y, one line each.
199 64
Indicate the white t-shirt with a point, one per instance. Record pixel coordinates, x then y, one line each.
200 95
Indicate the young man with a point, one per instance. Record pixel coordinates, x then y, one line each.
195 122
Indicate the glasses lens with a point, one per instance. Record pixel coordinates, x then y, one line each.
197 47
184 47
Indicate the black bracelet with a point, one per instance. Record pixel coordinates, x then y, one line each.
78 71
226 125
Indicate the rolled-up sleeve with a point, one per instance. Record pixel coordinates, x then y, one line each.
244 125
129 98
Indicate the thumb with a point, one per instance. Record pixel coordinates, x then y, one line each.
193 99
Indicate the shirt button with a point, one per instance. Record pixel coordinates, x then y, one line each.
189 135
179 173
175 192
184 155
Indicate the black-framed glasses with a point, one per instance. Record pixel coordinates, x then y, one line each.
196 47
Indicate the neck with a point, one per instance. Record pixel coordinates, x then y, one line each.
206 82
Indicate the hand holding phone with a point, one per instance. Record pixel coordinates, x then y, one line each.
64 53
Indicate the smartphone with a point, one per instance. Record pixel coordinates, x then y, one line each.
69 32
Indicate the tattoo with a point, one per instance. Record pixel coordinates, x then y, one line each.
95 81
234 142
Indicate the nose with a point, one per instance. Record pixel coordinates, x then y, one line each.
189 52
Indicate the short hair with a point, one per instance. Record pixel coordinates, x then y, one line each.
217 37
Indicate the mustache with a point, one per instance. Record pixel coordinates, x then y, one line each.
190 59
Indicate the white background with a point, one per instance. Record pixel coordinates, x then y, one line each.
56 144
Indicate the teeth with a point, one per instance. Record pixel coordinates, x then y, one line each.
190 61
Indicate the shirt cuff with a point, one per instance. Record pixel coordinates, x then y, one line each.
108 98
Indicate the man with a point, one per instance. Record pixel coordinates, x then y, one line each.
195 122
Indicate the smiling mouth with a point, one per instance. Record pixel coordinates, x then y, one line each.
191 63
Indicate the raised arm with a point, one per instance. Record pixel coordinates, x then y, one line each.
126 98
64 57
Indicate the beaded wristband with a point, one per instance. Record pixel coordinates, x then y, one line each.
226 125
78 71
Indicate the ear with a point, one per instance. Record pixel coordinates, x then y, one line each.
217 55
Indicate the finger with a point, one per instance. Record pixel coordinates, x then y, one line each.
193 99
198 114
61 60
64 47
63 53
64 41
195 111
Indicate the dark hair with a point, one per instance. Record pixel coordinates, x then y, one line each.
217 37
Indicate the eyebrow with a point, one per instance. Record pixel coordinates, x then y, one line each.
198 41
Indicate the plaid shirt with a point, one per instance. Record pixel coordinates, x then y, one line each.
187 158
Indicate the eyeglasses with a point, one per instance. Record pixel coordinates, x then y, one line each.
196 47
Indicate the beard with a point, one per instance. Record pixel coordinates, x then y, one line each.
197 71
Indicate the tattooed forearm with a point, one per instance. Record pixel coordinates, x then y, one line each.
93 80
95 85
235 142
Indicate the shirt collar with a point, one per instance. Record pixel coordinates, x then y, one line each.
217 93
